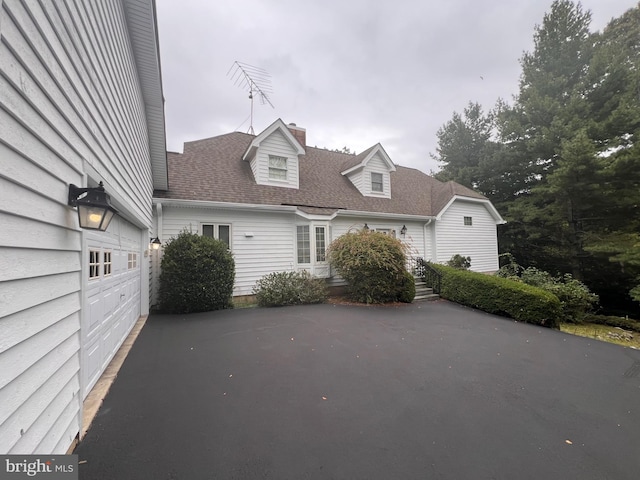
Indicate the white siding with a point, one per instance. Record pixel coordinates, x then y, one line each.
276 144
478 241
70 104
361 178
271 248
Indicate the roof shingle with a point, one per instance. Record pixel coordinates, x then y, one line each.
213 170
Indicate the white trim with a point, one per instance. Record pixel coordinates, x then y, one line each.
376 149
224 205
489 206
356 213
277 125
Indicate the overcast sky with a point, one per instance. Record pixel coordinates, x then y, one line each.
352 72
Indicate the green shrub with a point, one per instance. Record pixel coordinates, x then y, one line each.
621 322
575 298
372 263
289 288
407 289
197 275
460 262
501 296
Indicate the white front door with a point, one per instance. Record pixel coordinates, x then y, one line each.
112 295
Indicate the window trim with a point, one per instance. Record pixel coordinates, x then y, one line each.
381 182
280 170
107 263
306 249
467 221
94 263
216 230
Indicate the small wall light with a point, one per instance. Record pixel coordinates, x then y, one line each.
94 207
366 227
403 230
155 243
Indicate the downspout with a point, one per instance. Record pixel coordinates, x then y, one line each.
425 239
159 222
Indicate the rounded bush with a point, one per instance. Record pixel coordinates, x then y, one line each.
372 263
289 288
197 275
408 289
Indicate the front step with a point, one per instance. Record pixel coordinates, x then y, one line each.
423 292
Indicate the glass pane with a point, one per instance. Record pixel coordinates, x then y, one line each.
304 247
376 182
223 234
320 245
207 231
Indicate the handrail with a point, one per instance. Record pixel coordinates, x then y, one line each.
432 278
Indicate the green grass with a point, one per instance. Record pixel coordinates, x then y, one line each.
601 332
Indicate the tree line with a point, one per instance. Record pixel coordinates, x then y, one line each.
561 161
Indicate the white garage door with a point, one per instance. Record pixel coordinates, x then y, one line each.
112 295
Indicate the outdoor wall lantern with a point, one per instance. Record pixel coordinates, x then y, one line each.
94 206
403 230
366 227
155 243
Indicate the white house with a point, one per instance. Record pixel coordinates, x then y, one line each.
80 103
279 203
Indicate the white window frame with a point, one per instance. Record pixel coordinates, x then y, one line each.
107 263
94 263
307 251
216 230
381 182
132 260
314 248
276 172
468 221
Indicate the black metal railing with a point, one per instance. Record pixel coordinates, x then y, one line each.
432 278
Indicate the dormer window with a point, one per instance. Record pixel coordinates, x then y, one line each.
277 168
376 182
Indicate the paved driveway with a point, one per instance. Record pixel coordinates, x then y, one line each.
424 391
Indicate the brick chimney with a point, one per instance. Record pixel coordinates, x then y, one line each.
298 132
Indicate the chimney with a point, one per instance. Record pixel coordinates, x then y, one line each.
298 132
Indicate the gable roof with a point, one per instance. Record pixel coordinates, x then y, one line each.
277 125
212 170
361 160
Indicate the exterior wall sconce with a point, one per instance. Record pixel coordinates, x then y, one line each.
366 227
155 243
94 207
403 230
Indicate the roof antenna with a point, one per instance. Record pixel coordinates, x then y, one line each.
254 79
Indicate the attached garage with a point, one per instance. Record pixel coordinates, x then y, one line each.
112 277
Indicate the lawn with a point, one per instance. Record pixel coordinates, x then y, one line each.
603 332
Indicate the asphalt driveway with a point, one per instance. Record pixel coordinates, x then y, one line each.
424 391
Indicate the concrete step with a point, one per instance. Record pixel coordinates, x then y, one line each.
427 298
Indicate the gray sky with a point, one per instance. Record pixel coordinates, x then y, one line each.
352 72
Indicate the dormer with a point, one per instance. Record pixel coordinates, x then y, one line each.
371 172
273 155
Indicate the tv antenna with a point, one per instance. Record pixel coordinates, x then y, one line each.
254 79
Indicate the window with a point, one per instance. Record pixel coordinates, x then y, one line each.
277 168
94 263
468 220
376 182
132 261
321 245
107 262
304 246
386 231
219 232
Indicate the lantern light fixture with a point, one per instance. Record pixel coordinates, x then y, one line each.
366 227
403 230
94 206
155 243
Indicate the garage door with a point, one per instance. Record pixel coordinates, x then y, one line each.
112 295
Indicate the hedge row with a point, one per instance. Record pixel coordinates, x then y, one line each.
500 296
612 321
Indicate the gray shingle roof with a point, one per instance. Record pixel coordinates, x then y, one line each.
213 170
